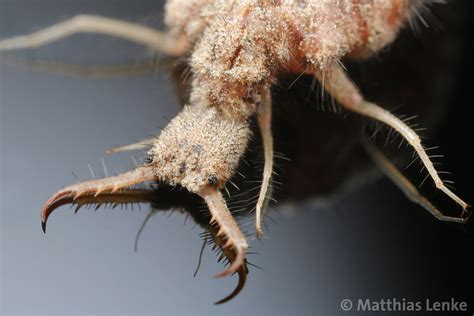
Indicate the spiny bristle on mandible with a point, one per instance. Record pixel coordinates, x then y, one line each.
228 228
96 186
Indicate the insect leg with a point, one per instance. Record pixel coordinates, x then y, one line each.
101 25
410 191
89 72
338 84
143 144
264 123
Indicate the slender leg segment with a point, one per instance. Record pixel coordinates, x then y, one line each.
143 144
88 72
265 125
100 25
410 191
337 83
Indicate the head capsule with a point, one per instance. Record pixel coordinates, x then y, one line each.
199 148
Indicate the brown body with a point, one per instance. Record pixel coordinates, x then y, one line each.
238 48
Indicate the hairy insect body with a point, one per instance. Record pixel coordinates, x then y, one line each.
191 152
244 45
240 47
236 51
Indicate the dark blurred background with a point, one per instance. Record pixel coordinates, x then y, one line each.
340 230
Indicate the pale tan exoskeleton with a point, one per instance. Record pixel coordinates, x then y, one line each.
236 51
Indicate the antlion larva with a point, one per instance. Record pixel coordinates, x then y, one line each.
236 50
